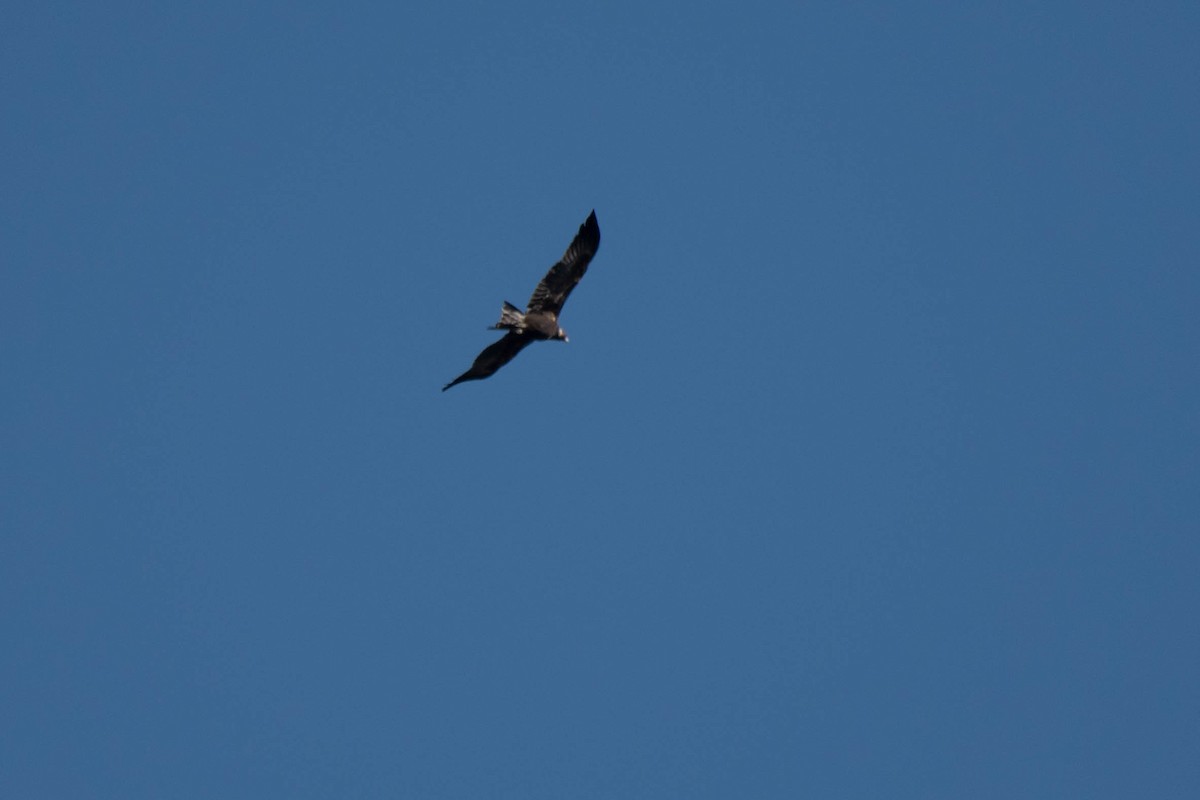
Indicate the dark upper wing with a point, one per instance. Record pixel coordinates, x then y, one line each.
493 357
552 292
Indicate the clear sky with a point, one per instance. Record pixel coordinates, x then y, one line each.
872 467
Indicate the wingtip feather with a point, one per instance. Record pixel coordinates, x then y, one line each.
591 229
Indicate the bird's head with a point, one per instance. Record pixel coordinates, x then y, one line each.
561 334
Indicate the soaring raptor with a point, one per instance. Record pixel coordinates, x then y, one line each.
540 320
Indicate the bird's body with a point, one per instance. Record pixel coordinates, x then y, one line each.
541 324
539 321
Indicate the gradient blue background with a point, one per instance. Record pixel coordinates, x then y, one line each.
872 468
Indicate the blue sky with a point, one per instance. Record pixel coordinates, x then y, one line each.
871 468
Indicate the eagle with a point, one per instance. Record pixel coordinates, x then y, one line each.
540 319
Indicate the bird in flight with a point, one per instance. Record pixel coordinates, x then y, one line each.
540 320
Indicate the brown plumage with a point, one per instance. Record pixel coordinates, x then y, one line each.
540 319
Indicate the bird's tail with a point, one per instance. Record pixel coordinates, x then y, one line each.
510 317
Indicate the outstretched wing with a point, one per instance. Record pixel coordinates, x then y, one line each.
552 292
493 357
